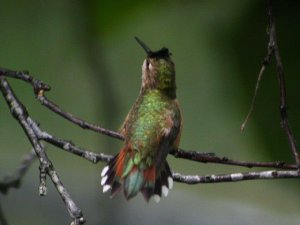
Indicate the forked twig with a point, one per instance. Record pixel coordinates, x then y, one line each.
46 167
273 50
282 87
265 63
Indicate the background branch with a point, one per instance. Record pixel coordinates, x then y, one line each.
15 179
273 50
282 86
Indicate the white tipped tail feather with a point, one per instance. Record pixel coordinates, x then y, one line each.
170 182
105 169
103 180
106 188
161 187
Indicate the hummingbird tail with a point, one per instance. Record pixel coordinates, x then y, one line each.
163 183
112 173
121 170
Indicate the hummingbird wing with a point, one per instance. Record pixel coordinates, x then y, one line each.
170 132
130 117
168 138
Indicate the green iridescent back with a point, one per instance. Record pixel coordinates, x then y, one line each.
147 120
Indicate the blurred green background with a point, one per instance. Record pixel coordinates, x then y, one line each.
85 50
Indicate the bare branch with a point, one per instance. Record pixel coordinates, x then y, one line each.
83 124
234 177
69 146
265 63
212 158
273 49
21 115
40 87
15 179
24 75
282 86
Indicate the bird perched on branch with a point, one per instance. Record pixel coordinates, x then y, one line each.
151 129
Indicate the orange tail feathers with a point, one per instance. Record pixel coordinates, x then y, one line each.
112 173
122 171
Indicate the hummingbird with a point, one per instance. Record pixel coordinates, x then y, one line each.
151 130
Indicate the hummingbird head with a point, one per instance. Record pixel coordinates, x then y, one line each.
158 71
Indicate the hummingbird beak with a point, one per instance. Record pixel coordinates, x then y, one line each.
144 46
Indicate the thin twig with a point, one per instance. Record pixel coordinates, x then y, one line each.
68 146
282 86
212 158
273 49
15 179
265 63
24 75
83 124
40 88
21 115
234 177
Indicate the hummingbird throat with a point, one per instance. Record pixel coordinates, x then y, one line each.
159 74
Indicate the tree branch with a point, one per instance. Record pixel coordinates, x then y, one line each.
69 146
83 124
234 177
265 63
282 87
273 50
21 115
212 158
39 88
15 179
